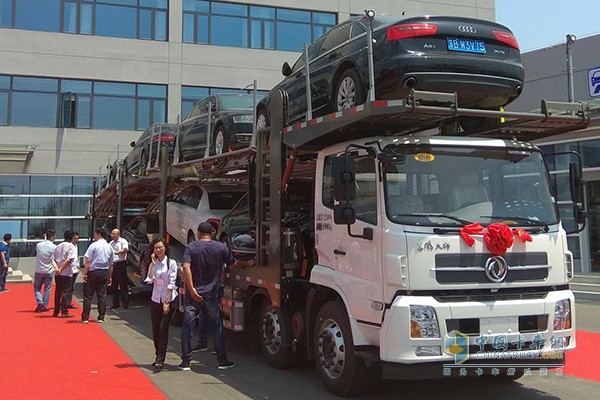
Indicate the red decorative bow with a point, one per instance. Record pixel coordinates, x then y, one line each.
471 229
498 236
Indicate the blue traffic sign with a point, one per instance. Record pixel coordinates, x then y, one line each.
594 82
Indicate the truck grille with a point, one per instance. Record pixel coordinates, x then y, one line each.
470 268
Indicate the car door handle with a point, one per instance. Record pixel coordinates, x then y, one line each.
339 252
333 56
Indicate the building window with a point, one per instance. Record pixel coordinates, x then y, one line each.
26 101
30 205
129 19
257 27
192 94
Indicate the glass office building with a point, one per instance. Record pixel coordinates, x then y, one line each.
81 79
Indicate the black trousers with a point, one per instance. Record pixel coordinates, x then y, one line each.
119 284
73 280
96 283
160 329
62 294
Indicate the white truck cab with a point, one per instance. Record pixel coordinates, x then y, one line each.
390 217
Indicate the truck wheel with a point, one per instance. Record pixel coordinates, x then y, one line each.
341 371
276 337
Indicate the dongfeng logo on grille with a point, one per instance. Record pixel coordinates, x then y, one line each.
496 269
467 29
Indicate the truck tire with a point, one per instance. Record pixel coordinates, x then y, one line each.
275 332
342 372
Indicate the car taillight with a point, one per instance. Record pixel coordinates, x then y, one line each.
216 222
507 38
405 31
164 138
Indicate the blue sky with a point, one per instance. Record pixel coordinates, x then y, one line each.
543 23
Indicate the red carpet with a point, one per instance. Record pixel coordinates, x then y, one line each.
52 358
583 361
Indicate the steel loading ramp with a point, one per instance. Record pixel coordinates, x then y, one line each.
422 111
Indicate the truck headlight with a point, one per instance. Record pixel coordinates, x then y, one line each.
423 322
239 119
562 315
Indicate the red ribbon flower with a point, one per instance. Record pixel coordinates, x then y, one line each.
498 238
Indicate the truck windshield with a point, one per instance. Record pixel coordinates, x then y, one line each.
451 186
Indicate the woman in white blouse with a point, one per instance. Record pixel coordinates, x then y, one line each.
162 274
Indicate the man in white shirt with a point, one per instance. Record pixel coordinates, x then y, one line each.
64 256
119 276
97 271
45 267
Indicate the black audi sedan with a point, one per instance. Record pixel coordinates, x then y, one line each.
147 148
230 125
479 60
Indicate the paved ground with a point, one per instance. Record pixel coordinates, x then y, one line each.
252 378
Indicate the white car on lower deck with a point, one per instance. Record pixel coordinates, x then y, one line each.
194 204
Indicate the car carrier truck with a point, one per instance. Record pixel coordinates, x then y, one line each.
428 255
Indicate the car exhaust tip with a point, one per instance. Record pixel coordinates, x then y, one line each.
518 90
409 83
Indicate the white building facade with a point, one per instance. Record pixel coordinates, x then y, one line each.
130 63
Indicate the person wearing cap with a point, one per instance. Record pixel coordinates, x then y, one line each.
203 262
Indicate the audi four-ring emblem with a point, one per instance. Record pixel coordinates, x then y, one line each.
496 269
467 29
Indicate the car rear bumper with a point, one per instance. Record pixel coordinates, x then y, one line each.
482 83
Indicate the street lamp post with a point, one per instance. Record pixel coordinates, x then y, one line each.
571 90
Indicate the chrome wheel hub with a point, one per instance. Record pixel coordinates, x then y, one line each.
346 94
271 331
331 350
219 142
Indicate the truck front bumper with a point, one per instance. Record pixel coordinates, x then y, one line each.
499 333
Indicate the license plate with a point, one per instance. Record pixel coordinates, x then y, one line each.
466 45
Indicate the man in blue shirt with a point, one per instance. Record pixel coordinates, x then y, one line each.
97 273
4 259
203 262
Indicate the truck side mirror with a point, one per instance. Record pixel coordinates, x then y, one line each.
576 182
286 70
343 178
343 214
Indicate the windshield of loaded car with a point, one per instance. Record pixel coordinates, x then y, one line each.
236 102
453 186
